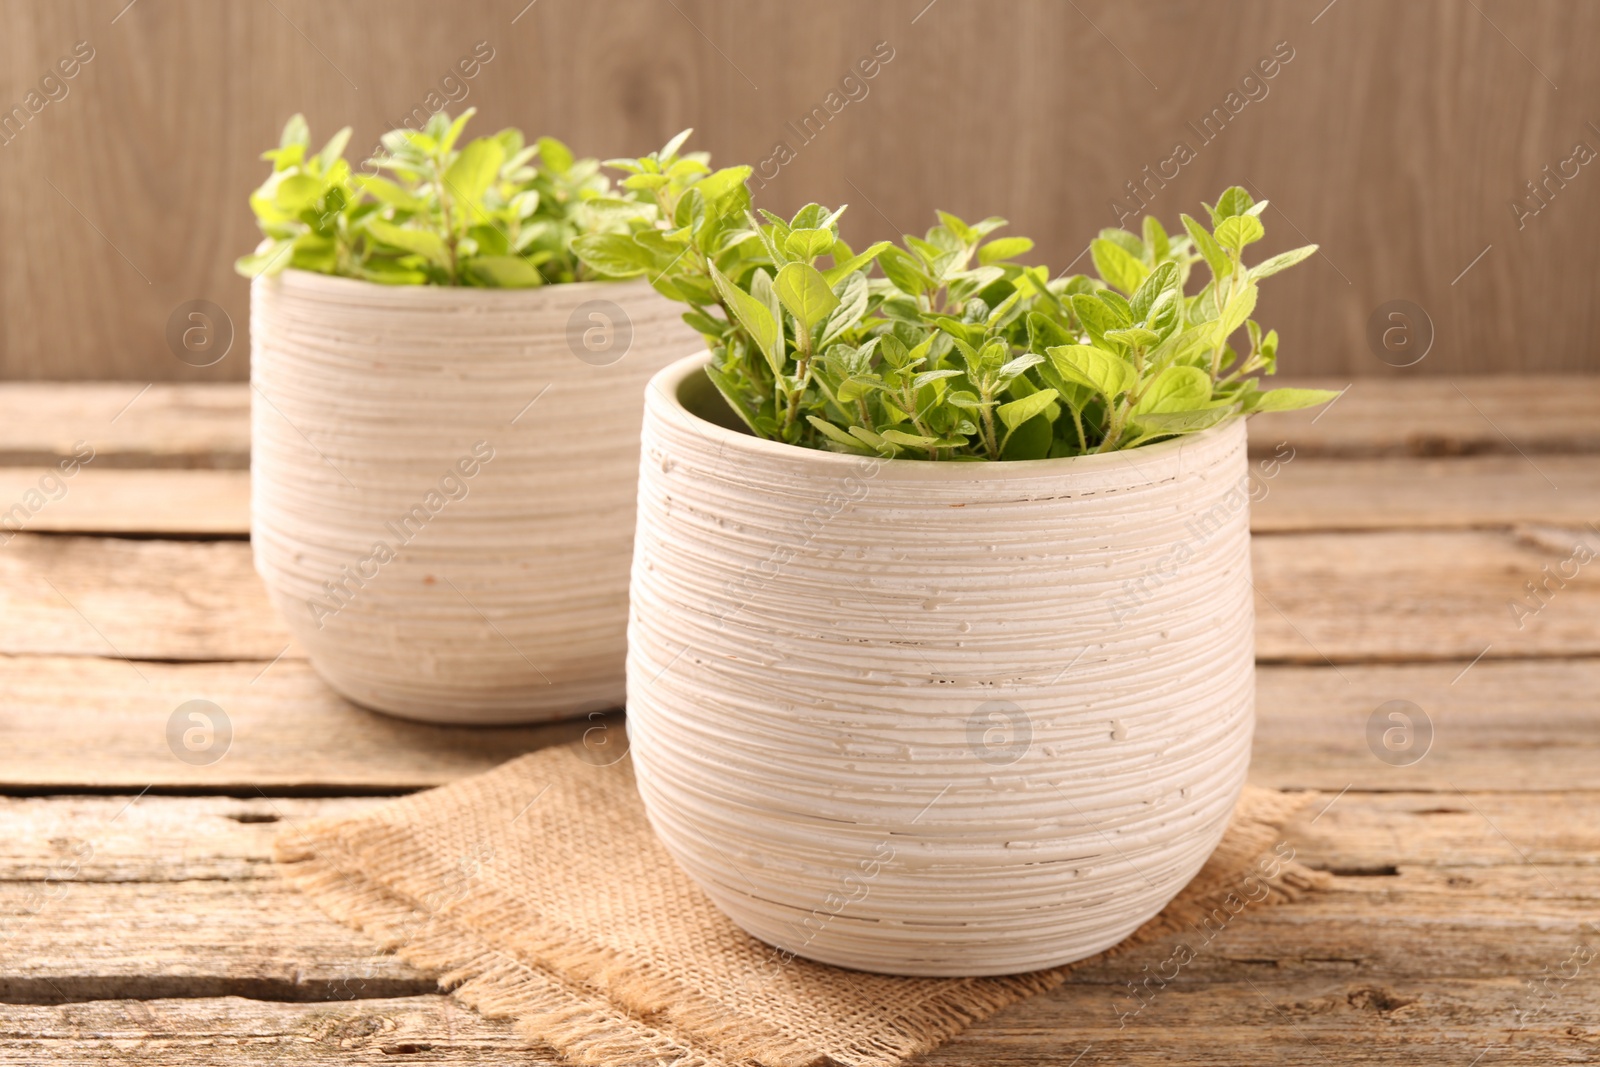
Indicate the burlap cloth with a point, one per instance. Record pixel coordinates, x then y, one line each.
538 892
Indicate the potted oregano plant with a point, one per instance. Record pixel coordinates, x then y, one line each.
445 417
941 651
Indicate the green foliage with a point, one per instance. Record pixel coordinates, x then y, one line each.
944 347
494 212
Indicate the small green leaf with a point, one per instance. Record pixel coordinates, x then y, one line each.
453 133
872 440
273 259
295 132
1280 262
613 254
1013 368
1233 202
756 320
1162 284
296 193
1175 389
1116 266
718 185
1003 249
556 156
1239 230
1221 266
1045 332
806 294
1237 310
836 435
670 149
1121 310
388 192
424 243
1167 423
910 440
502 272
646 182
851 264
1291 399
333 150
904 271
474 170
1155 235
1017 412
1106 374
852 294
808 244
730 393
1096 315
1137 336
929 376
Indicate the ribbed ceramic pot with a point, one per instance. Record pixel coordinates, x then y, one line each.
936 718
442 486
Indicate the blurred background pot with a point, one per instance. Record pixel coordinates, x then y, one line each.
937 718
442 486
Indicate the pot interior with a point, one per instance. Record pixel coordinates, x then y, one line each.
700 398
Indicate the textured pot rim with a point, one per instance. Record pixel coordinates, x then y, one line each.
664 399
534 298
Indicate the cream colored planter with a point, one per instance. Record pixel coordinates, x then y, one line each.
442 486
937 718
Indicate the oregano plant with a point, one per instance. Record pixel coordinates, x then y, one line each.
947 347
428 209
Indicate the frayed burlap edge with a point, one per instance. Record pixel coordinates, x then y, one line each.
595 1008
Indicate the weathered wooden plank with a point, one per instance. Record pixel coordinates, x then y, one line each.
1310 494
1511 725
98 941
1504 725
290 732
1270 1018
235 1031
1341 598
153 838
1304 1020
166 896
1416 842
128 424
1440 417
1364 831
211 503
1306 494
1409 596
92 596
174 896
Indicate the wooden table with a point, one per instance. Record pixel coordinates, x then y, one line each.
143 922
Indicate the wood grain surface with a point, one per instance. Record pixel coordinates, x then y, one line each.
1388 596
1399 137
1311 494
141 919
1421 952
290 733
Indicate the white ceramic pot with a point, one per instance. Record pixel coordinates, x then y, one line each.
936 718
442 486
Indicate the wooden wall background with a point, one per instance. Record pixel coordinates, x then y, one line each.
1397 137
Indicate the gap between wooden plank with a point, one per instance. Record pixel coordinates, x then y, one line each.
1322 598
89 725
174 894
1305 494
1352 1020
